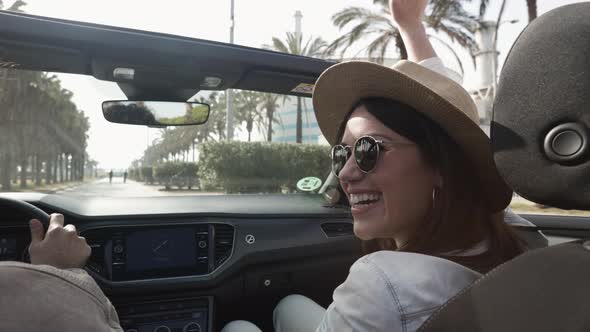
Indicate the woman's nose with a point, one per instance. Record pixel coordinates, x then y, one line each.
350 172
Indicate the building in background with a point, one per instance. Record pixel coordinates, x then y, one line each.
486 68
285 131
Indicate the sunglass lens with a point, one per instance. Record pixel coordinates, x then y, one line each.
366 153
340 155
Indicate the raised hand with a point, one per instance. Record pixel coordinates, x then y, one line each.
407 14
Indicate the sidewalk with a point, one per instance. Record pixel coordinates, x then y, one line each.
49 188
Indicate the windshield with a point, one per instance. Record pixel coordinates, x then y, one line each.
56 140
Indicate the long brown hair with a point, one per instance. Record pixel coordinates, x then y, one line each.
459 218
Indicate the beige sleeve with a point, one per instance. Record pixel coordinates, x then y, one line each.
62 300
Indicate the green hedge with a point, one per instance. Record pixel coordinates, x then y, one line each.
147 174
177 174
239 167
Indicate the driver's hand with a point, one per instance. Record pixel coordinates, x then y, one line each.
61 247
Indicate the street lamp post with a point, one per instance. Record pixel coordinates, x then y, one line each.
229 94
496 53
486 63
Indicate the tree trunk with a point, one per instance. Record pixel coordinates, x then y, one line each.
532 9
48 170
23 171
73 168
299 130
15 174
60 159
68 168
194 160
269 130
82 162
249 128
38 166
55 168
5 167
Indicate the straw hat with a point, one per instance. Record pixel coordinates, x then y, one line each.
439 98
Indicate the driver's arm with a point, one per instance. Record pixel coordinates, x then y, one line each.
62 254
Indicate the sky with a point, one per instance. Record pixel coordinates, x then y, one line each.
256 22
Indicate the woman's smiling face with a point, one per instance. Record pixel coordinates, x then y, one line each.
396 196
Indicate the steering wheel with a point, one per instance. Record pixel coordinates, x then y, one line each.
30 210
27 208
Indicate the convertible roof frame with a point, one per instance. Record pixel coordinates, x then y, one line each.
166 67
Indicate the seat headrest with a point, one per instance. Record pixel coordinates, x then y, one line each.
541 112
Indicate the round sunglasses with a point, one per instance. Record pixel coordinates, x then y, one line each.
366 152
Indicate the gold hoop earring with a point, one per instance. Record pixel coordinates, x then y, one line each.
434 190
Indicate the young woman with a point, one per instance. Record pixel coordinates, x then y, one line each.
425 195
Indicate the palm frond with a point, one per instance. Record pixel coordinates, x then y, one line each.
483 6
316 48
303 50
449 48
459 36
16 6
345 41
379 45
278 45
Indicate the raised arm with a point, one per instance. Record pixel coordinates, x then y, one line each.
407 16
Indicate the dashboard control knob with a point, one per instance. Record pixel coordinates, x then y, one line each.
162 328
118 249
202 244
192 327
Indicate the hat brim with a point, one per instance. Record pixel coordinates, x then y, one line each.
341 86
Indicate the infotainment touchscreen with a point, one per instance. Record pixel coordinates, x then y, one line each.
161 249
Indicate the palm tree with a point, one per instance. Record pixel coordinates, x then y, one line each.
293 44
247 106
218 102
15 7
530 4
446 16
532 9
268 102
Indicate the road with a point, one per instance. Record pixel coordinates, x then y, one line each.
117 188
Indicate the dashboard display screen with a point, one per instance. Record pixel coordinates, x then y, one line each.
161 249
8 250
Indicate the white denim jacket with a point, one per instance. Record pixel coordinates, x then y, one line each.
394 291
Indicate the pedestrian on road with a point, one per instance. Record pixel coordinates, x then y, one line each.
111 176
125 177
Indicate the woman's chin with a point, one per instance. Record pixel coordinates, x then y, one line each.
362 231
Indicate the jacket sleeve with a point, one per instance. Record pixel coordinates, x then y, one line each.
436 64
84 280
360 301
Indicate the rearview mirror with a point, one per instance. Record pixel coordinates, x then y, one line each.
155 113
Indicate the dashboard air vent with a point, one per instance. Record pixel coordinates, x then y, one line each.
335 229
223 239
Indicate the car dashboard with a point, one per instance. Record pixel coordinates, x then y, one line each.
176 262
